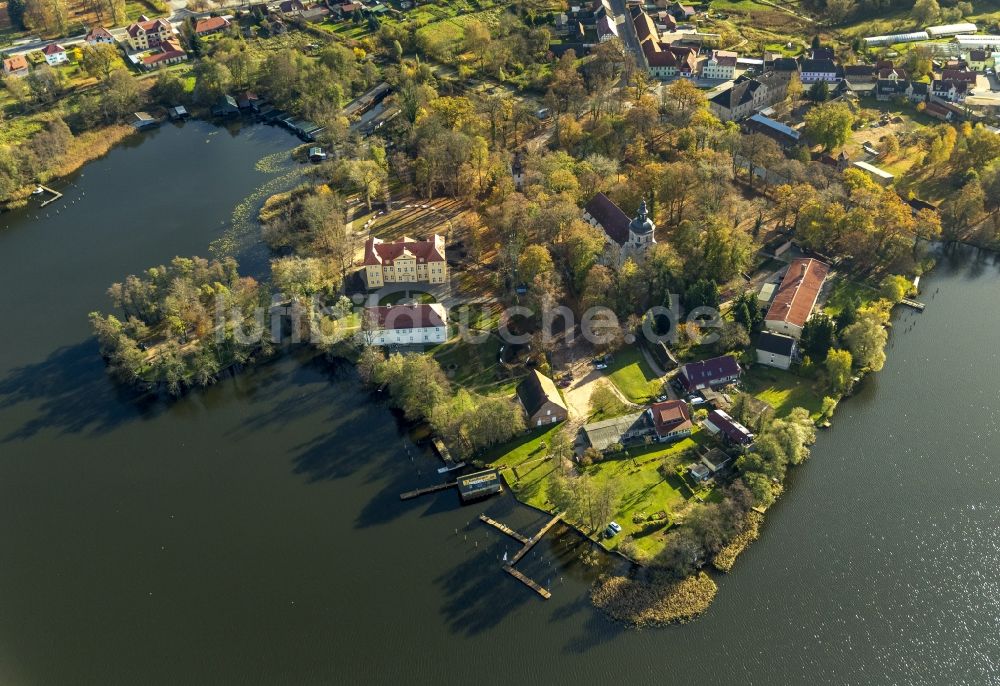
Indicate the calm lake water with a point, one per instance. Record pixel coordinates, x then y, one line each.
252 534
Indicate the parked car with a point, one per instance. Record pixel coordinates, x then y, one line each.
613 530
600 365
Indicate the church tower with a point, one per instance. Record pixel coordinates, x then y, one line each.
641 230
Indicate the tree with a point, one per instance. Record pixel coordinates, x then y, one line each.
838 371
15 10
926 11
533 261
302 277
866 339
169 89
829 124
48 16
889 146
100 60
818 336
819 92
894 288
369 177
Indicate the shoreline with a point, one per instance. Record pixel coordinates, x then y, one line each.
87 147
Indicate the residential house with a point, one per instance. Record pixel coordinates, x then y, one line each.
890 72
607 28
167 52
980 60
796 296
782 134
775 350
730 431
721 65
786 66
668 61
951 91
406 324
16 66
148 33
98 35
318 14
969 77
813 70
746 96
939 111
680 12
606 434
919 92
671 420
405 261
55 54
712 373
822 54
860 78
290 7
209 25
891 89
541 401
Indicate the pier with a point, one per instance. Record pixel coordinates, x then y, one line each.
428 489
529 543
504 528
918 306
535 539
530 583
55 195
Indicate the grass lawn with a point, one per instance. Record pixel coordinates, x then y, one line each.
783 390
631 374
644 490
843 291
473 365
411 294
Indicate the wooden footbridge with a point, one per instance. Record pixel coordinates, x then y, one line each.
919 306
527 544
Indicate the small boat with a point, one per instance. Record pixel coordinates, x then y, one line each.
38 190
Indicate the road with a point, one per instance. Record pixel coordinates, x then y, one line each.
626 31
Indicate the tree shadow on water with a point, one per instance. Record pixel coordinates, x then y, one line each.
72 393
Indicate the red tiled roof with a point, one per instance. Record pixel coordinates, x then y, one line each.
98 32
53 49
798 291
168 50
670 416
610 217
393 317
733 430
377 252
210 24
148 26
959 75
15 63
725 58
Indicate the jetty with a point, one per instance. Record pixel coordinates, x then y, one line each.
504 528
528 544
427 489
55 195
918 306
442 451
530 583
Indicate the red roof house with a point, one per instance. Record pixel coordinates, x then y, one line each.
796 296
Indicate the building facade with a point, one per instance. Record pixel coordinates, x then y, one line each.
405 324
405 261
148 33
796 296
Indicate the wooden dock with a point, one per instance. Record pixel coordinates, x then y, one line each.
530 543
428 489
919 306
442 451
55 195
504 528
530 583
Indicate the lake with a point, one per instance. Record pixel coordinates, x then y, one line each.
252 533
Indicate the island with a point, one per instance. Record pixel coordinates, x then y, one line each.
628 256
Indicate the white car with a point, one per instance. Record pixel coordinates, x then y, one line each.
614 528
600 365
